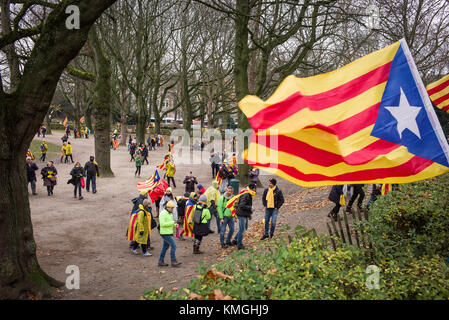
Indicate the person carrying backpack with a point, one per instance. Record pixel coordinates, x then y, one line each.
201 216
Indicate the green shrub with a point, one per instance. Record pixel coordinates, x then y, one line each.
415 218
409 232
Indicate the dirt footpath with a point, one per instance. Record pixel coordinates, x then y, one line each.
90 233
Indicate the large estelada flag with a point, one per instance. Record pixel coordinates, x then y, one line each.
439 93
370 121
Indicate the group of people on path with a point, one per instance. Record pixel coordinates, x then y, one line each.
49 176
193 212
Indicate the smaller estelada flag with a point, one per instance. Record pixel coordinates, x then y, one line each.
231 202
439 93
82 119
65 121
150 184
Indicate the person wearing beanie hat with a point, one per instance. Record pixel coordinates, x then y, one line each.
92 172
200 223
167 224
201 188
272 200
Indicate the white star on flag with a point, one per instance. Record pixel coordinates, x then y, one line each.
405 115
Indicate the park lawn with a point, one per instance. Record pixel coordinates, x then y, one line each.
53 150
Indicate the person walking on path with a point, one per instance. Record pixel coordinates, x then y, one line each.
272 200
63 150
358 192
213 195
77 174
49 176
145 154
335 197
168 196
167 225
201 217
44 131
75 132
244 211
132 151
226 218
68 153
92 172
190 182
142 229
44 149
31 168
171 170
138 160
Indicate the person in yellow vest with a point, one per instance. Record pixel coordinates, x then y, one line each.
44 149
213 195
171 170
63 150
82 132
142 229
68 153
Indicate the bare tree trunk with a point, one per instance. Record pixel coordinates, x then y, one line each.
123 129
241 61
21 114
102 107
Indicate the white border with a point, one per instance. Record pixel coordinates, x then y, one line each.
426 100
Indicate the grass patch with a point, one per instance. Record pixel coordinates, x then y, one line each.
53 153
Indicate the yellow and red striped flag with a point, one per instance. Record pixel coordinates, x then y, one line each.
82 119
385 188
370 121
65 121
218 179
439 93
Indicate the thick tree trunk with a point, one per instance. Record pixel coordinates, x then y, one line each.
241 61
20 274
102 108
21 114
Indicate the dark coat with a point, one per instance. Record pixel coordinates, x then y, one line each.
335 194
44 173
91 168
200 229
244 208
145 151
132 149
77 173
31 171
278 198
190 184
